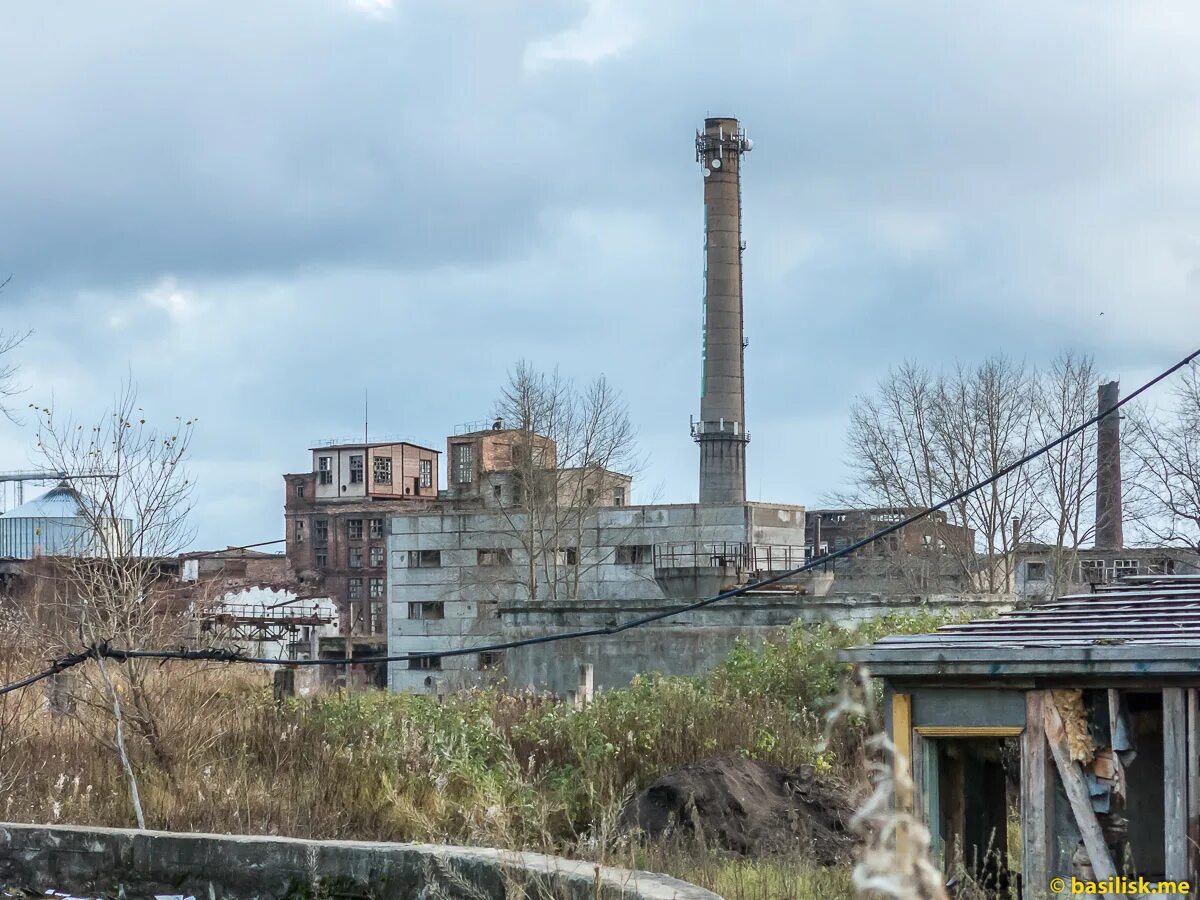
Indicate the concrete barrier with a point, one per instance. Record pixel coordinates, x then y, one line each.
109 861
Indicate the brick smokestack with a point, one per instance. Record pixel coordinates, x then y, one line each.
721 430
1109 534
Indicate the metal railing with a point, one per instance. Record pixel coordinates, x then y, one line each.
731 555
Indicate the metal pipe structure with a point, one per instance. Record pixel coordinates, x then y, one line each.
721 430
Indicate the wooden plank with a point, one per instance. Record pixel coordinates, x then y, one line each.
1077 793
902 780
967 731
1175 769
1037 800
902 750
1193 788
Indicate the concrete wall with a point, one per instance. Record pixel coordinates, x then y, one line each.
1110 565
471 595
107 860
696 642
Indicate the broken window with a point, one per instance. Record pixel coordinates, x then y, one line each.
426 473
383 469
356 557
491 659
356 470
300 490
589 496
496 557
566 556
354 586
1164 566
498 493
618 496
324 470
321 531
427 609
1092 571
299 531
632 554
321 558
424 559
375 586
376 528
1035 571
376 557
464 463
1125 568
426 662
354 529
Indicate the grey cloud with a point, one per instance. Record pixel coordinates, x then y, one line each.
402 202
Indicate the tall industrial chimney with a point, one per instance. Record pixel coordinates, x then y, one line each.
721 430
1109 534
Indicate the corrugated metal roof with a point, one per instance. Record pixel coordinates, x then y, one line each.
1135 626
61 502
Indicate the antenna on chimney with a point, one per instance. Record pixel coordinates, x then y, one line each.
366 414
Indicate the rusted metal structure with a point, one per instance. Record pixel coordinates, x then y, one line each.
261 623
1097 697
721 430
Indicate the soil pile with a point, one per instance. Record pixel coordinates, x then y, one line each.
749 807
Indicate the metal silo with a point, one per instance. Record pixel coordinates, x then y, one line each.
53 524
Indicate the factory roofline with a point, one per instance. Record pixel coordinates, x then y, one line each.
367 445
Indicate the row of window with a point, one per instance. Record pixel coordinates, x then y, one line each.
1099 571
381 474
487 660
627 555
354 557
374 585
354 530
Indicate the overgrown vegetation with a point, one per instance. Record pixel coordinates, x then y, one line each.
486 767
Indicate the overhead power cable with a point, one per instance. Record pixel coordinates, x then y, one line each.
228 655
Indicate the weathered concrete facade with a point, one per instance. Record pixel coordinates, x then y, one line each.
463 578
149 863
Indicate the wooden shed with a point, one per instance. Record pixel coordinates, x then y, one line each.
1062 740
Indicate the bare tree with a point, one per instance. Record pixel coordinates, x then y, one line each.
1164 446
925 436
9 341
572 449
134 496
1064 479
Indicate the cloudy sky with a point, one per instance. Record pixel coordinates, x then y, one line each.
259 209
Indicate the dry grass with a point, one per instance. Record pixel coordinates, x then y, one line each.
214 753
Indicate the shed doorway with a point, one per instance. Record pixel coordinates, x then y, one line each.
971 793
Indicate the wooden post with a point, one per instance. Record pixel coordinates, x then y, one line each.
1193 787
1077 793
583 695
1037 800
1175 783
284 684
902 765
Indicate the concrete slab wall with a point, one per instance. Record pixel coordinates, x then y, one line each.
145 863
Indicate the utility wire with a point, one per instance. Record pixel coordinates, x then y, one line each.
229 655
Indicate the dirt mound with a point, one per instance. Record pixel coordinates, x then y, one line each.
747 806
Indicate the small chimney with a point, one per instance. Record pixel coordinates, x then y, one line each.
1109 534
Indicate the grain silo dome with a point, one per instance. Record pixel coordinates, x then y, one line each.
54 524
